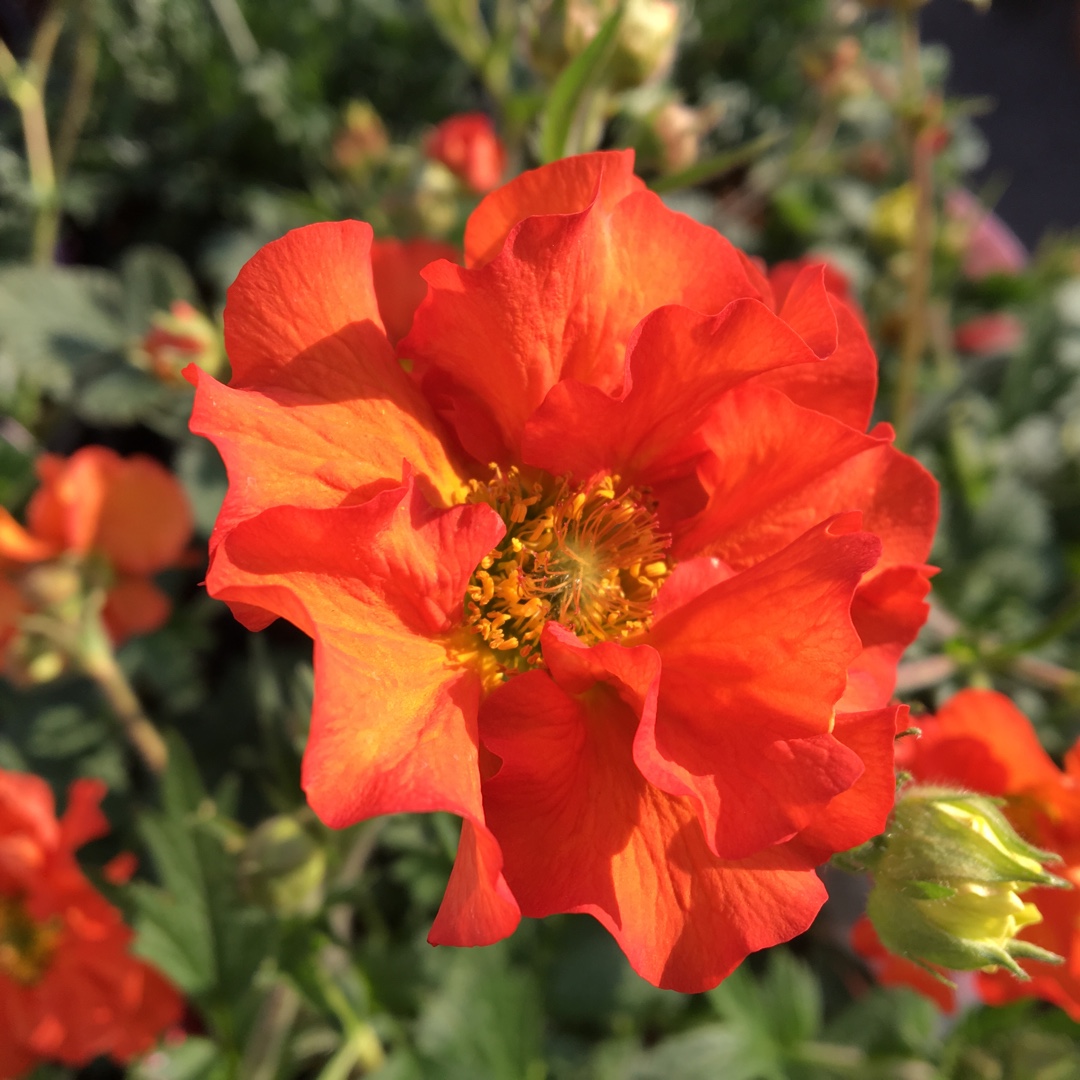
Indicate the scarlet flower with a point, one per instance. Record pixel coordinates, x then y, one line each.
646 654
468 146
116 521
989 335
981 741
70 990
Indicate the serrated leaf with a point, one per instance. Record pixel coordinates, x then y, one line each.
568 96
793 999
54 321
705 1053
121 397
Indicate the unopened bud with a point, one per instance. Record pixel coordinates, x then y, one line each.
362 141
178 337
948 875
645 42
284 866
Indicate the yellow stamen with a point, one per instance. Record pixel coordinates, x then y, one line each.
26 946
589 557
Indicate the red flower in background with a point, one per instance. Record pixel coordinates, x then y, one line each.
647 654
70 990
119 520
468 146
989 335
979 740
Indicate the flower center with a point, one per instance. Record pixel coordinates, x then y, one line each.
26 946
589 557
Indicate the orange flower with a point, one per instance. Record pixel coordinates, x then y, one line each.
980 740
70 990
647 654
96 519
468 146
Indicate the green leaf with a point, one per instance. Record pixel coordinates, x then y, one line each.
712 167
707 1053
193 1059
793 999
569 96
55 322
153 278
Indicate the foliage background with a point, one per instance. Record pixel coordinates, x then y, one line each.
189 132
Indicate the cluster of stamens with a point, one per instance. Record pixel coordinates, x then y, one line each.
589 557
26 946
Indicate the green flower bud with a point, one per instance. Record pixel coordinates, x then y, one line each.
948 875
284 866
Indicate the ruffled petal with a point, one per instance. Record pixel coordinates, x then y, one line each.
562 299
678 364
399 288
888 611
380 587
752 670
318 411
582 830
860 813
845 384
979 739
563 187
775 469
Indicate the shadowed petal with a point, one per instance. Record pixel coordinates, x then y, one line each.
752 670
583 831
679 363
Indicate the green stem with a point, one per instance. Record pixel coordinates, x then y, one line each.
98 661
913 345
80 95
25 86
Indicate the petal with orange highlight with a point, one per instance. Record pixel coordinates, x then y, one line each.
775 469
478 907
678 364
562 299
581 829
563 187
399 288
752 670
318 411
19 546
380 587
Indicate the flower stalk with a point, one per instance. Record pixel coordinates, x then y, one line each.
913 343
